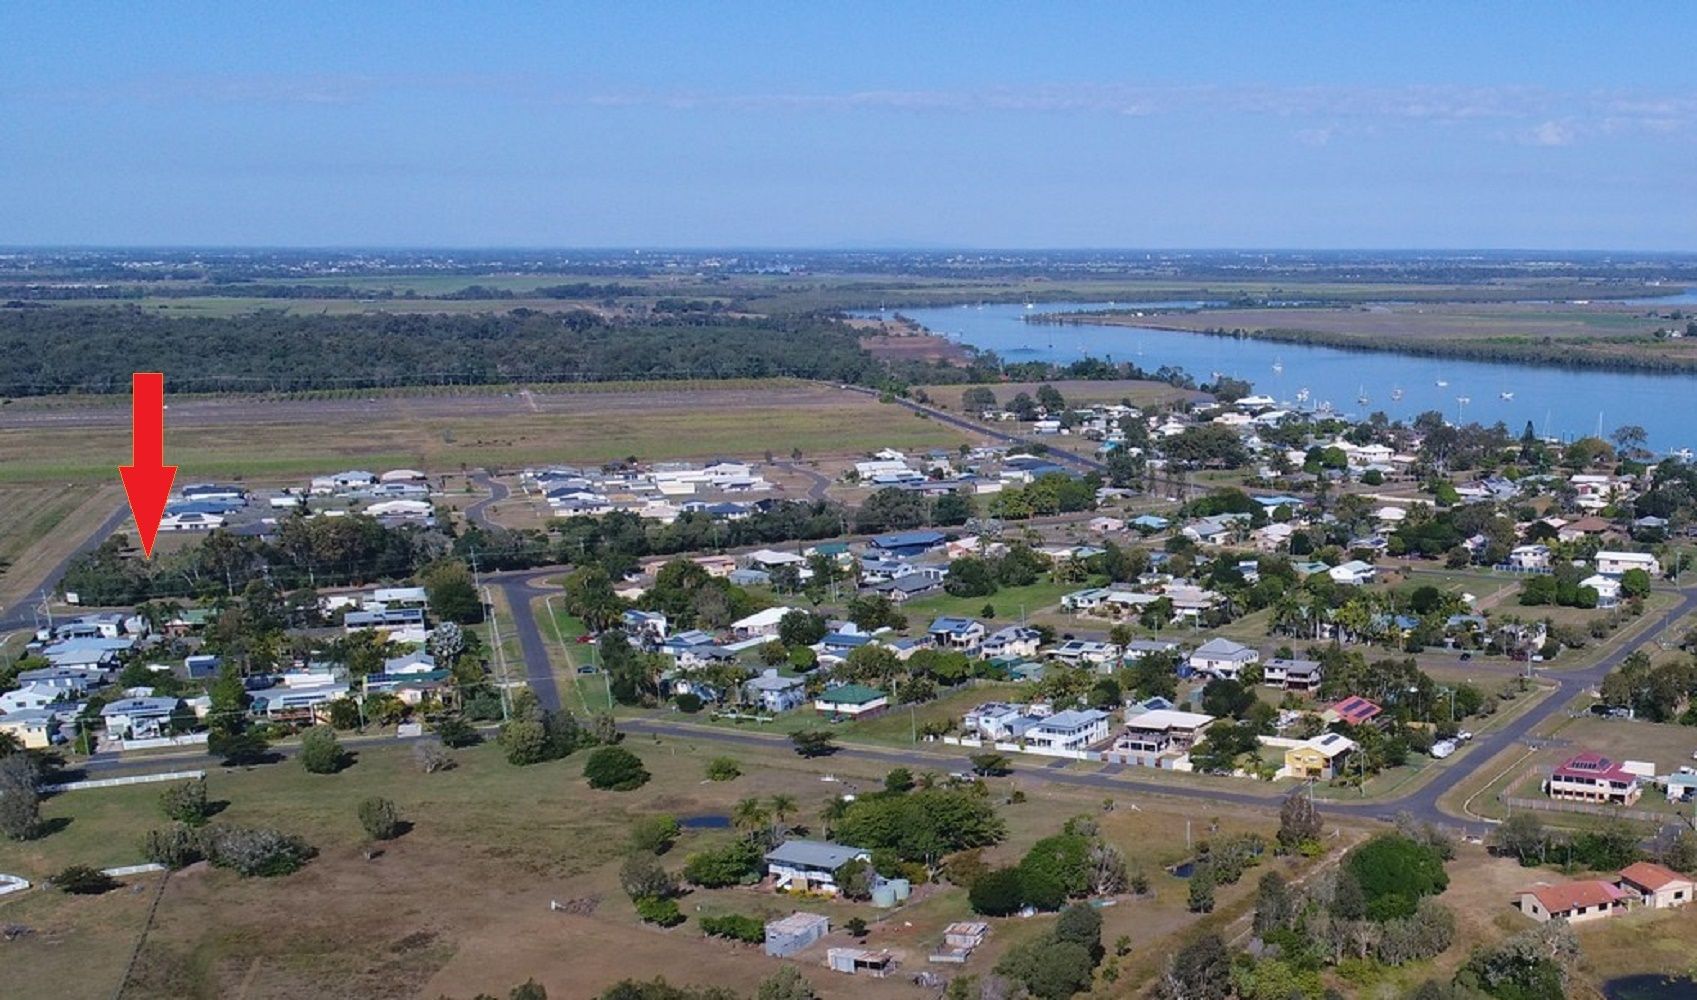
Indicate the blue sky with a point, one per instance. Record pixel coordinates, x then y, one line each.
741 124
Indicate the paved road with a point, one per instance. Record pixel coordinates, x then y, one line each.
818 482
520 588
22 614
477 513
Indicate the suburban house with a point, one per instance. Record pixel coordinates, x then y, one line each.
1291 675
997 721
1086 652
1607 588
1222 658
1354 710
1591 777
854 701
1616 563
1575 902
810 865
1015 641
1656 887
1075 729
909 585
962 634
34 728
138 718
1162 730
1318 758
1529 558
1354 573
29 698
1137 649
907 543
775 693
760 624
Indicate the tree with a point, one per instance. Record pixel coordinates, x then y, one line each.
81 880
642 877
1201 898
1273 905
1049 969
452 594
854 879
321 752
800 628
786 984
898 781
255 851
1682 853
380 818
988 765
996 893
174 847
1200 971
185 802
735 863
1395 874
530 989
20 797
615 769
1299 821
1081 924
813 742
1522 835
856 926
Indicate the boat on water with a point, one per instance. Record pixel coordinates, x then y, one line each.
1505 395
1302 395
1361 395
1031 305
1463 400
1442 384
1278 368
1396 395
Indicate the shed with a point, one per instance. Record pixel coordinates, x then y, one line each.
788 935
853 960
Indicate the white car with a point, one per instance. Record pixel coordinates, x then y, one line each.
1464 736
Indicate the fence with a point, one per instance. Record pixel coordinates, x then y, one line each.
134 779
1556 805
188 739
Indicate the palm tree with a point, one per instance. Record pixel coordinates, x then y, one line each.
749 816
835 808
783 807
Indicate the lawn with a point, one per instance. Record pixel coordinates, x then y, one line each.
1009 602
41 523
583 694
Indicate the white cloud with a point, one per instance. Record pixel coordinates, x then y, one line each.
1550 133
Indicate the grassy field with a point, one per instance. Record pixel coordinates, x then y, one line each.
273 438
1008 601
1141 393
41 523
459 904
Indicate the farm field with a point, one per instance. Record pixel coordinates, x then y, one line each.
42 523
1140 392
272 438
462 897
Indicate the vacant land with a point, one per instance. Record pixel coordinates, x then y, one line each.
269 437
460 903
43 523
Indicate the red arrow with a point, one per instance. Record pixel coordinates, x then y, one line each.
147 479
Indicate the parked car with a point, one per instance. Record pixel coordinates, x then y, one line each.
1464 735
1465 656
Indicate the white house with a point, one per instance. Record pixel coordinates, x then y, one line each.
1353 573
192 520
1607 588
775 693
1076 729
1223 658
29 698
138 718
1529 557
956 633
998 721
761 623
1015 640
1616 563
1086 652
1291 675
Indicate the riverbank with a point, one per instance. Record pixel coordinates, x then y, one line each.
1612 337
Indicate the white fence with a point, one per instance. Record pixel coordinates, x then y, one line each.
132 870
134 779
186 740
1022 748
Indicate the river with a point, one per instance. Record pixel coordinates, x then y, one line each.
1560 402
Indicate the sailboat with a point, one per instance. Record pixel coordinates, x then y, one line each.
1302 395
1396 394
1361 395
1442 384
1505 395
1031 305
1278 367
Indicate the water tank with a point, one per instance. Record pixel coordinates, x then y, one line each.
903 889
884 896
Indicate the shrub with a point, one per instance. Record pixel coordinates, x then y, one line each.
176 846
255 851
615 769
723 769
736 927
996 893
642 877
321 752
688 702
1395 874
81 880
663 912
654 834
455 732
380 818
736 863
525 741
186 802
